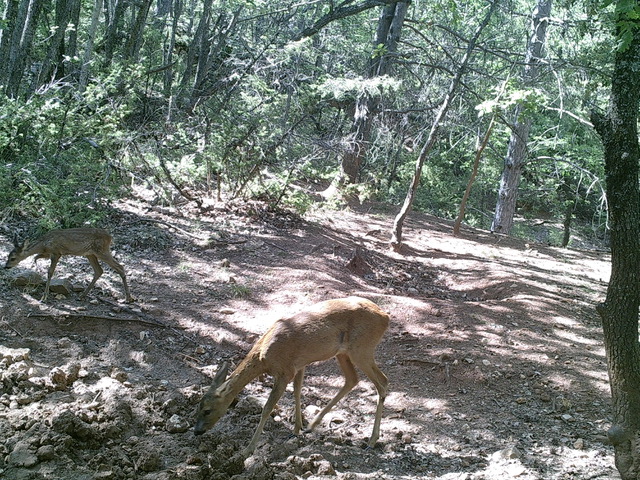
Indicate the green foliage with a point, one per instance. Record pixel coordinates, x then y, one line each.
352 88
270 116
54 162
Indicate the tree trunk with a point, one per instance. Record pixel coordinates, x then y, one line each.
9 16
114 15
134 39
517 149
396 232
387 36
619 312
53 64
472 178
88 49
29 13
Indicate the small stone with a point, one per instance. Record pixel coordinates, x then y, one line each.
177 424
579 444
120 376
325 468
22 456
509 453
11 355
58 378
46 452
25 278
60 286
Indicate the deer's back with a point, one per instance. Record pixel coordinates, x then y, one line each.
75 241
322 331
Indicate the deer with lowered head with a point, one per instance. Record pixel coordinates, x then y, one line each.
92 243
348 329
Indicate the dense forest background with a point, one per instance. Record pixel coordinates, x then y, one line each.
203 101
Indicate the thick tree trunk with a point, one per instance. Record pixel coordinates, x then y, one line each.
88 49
517 149
53 64
21 44
388 35
619 312
9 16
114 16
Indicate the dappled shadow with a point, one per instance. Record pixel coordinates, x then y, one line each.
493 343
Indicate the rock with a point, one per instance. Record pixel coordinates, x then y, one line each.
120 375
17 372
150 461
177 424
69 423
310 411
64 377
509 453
25 278
58 378
12 355
325 468
22 455
407 439
60 286
45 452
578 444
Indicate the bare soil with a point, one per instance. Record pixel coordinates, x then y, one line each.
494 353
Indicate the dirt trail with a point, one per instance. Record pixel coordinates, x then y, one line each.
494 354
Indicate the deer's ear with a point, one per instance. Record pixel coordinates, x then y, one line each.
221 375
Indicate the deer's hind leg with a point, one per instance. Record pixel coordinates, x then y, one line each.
297 392
97 273
119 269
350 381
367 364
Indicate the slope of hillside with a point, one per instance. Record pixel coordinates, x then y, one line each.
494 353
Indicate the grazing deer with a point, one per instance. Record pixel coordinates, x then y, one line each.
348 329
92 243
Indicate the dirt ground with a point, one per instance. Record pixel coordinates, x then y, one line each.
494 353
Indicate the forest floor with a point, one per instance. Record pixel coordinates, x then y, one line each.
494 353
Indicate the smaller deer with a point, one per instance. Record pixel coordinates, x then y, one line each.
348 329
93 243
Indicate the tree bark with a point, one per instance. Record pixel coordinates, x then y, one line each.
472 178
517 148
10 16
88 49
53 64
396 232
21 43
619 312
387 36
134 39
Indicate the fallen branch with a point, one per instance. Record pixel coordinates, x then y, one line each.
77 316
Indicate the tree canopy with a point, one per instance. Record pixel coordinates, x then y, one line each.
215 100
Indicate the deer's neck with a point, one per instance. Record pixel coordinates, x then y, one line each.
251 367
